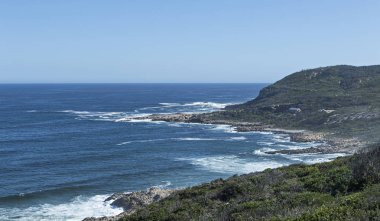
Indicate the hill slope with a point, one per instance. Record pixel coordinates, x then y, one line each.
344 100
345 189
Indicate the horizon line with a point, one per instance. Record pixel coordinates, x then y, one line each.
3 83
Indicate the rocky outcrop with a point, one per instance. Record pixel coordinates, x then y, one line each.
199 118
136 200
320 149
130 202
306 136
180 117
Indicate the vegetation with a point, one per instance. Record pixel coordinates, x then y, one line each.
345 189
344 100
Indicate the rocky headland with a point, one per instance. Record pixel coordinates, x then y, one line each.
130 202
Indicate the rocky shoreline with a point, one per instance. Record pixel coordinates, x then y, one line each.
130 202
329 144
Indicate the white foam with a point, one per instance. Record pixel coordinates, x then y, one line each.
134 118
171 124
230 164
281 138
262 132
194 107
164 184
200 106
128 119
185 139
124 143
78 209
262 151
265 143
238 138
209 104
141 141
193 139
96 115
311 158
170 104
291 146
224 128
110 116
204 104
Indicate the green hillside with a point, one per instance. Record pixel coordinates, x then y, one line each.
344 100
345 189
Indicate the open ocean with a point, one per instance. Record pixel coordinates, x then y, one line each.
65 147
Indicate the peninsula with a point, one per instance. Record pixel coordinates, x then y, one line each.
339 105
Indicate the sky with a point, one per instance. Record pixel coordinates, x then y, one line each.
178 41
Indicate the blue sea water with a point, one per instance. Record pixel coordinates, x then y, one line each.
65 147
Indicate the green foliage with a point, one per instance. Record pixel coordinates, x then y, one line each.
335 181
363 205
345 189
352 92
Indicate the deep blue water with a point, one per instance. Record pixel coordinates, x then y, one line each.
65 147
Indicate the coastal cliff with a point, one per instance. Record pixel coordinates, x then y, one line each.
339 104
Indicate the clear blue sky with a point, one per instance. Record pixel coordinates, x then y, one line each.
182 41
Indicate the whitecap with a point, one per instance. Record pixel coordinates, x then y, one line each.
265 143
312 158
230 164
209 104
193 139
204 104
137 118
225 128
170 104
164 184
237 138
281 138
171 124
96 115
124 143
110 116
291 146
200 106
262 132
262 151
141 141
131 120
77 209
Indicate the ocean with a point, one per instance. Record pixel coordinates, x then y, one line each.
64 148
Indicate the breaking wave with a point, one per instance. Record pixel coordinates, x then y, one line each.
230 164
312 158
193 139
77 209
199 106
262 151
224 128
